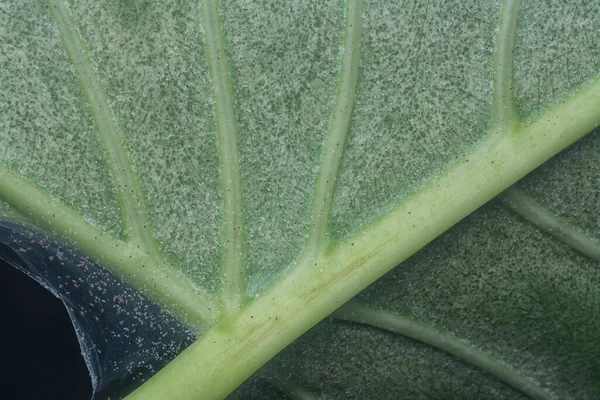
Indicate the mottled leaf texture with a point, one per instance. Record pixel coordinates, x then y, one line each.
228 195
499 307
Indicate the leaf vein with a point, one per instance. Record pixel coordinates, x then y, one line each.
519 202
233 281
338 129
158 282
416 330
505 115
127 189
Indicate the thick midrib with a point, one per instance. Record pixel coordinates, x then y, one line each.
408 327
506 119
505 116
233 279
545 220
305 296
128 193
321 282
239 344
338 129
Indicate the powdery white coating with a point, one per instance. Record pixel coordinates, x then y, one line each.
8 213
496 284
153 69
557 50
569 185
423 99
284 59
419 107
46 131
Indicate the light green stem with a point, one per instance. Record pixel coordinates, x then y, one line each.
241 342
524 205
355 312
233 279
228 353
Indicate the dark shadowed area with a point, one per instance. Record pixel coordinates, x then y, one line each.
38 343
125 338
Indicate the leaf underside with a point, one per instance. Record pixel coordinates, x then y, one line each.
202 151
494 289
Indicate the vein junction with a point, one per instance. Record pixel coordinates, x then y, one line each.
138 258
506 119
128 192
306 294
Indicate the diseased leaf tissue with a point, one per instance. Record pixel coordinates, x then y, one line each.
226 174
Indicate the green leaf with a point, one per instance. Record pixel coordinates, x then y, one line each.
252 166
499 307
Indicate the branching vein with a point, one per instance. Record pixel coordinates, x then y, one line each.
138 259
232 227
129 196
159 282
415 330
545 220
338 127
305 295
505 115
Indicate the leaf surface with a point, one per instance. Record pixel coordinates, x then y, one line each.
497 307
251 166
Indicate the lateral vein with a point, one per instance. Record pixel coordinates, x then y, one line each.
129 196
505 115
546 221
289 387
233 280
160 283
408 327
305 295
338 128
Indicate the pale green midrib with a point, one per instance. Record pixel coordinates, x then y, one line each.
238 345
158 281
233 279
505 116
375 248
129 196
546 221
413 329
338 129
